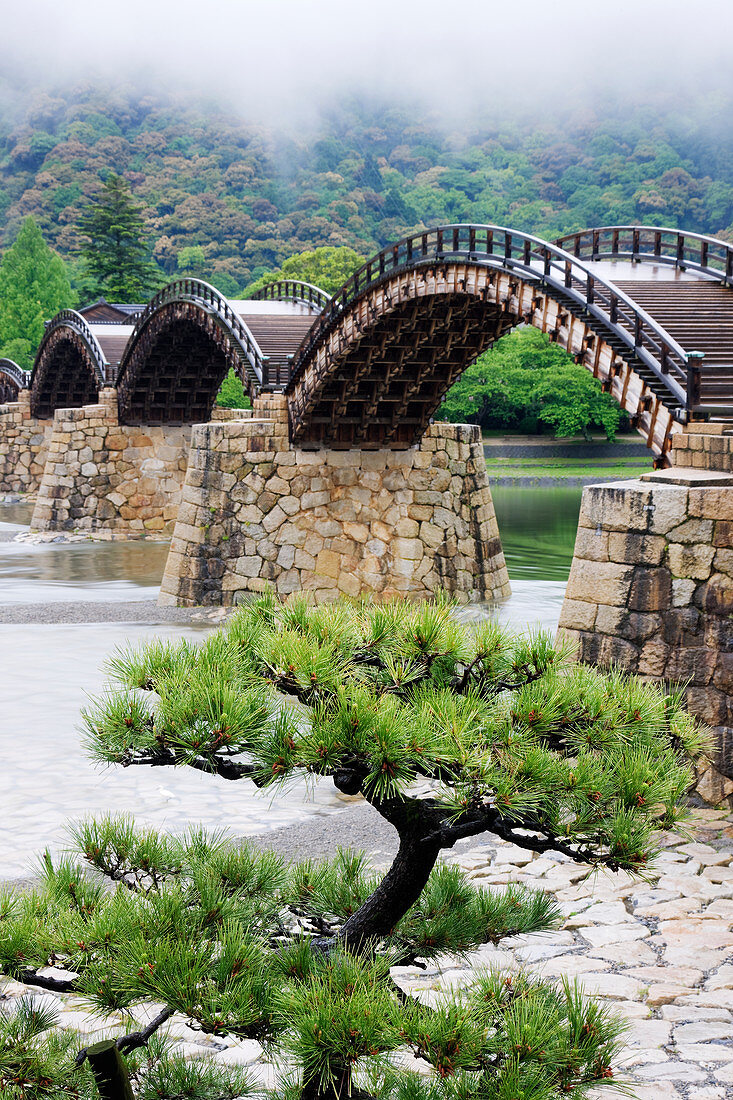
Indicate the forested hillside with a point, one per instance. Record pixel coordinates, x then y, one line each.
227 201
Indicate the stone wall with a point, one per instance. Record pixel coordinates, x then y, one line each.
704 447
651 590
257 512
103 476
23 446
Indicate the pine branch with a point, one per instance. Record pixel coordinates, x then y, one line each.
56 985
134 1040
214 765
491 821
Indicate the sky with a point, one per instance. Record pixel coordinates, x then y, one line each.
285 59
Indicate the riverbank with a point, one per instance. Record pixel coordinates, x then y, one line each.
110 611
537 462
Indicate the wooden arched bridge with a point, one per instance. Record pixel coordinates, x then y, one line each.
12 380
647 310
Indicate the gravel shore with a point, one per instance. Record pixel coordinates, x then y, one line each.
109 611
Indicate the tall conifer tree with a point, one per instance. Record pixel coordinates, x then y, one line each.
115 249
34 285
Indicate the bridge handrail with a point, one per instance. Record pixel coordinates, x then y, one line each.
683 250
69 318
201 293
293 290
11 370
541 261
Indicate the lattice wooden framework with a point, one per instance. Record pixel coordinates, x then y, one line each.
13 379
172 372
379 374
70 366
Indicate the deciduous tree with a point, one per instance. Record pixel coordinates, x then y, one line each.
326 268
525 381
34 285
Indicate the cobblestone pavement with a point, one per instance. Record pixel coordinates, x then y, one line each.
660 952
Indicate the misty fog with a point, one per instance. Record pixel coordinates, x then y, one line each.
283 61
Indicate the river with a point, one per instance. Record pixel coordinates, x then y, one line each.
51 670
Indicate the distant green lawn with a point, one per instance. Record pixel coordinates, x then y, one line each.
568 467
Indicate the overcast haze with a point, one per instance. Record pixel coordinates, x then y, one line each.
286 59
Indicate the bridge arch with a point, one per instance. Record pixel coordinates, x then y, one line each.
70 366
293 290
13 379
369 366
179 353
380 357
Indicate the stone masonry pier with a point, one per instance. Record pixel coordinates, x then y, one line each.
258 512
651 584
104 476
23 446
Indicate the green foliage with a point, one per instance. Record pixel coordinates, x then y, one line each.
511 731
327 268
34 286
232 395
512 738
229 937
37 1061
548 1040
249 196
114 247
524 381
192 260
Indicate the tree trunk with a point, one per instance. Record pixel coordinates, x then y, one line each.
110 1073
396 894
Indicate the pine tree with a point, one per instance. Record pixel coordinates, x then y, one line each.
34 285
115 250
448 732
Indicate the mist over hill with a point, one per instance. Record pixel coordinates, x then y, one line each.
227 199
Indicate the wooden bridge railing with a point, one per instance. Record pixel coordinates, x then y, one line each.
293 290
563 275
655 244
202 294
70 319
16 374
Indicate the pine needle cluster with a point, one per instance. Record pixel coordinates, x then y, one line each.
37 1060
243 944
448 731
510 735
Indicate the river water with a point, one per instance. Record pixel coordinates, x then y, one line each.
51 670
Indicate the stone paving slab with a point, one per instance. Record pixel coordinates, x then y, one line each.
661 952
689 475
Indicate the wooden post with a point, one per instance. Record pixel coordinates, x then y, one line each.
694 365
110 1072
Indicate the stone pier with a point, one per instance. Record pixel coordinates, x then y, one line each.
258 512
23 446
104 476
651 584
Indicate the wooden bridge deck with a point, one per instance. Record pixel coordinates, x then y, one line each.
699 316
113 339
279 335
